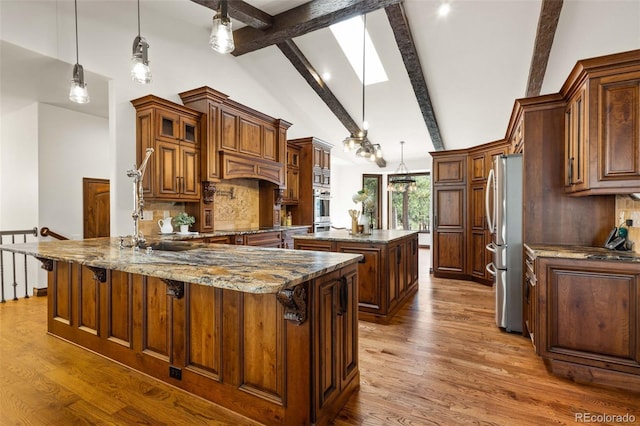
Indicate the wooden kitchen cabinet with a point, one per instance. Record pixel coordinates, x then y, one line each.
387 273
589 319
288 233
530 302
336 352
602 118
314 175
292 188
172 130
263 239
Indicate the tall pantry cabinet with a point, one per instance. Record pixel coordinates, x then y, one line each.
550 216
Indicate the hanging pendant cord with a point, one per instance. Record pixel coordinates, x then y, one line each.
76 9
364 34
138 18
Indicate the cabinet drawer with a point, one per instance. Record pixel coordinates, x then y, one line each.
266 239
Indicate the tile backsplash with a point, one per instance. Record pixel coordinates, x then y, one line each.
628 208
239 212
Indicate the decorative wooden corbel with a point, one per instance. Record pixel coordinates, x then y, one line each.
208 191
294 301
47 264
99 274
174 288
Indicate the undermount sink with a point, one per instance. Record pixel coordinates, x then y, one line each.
171 246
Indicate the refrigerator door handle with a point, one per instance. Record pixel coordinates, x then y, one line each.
487 201
491 268
491 247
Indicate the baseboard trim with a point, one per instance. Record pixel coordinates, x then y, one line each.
40 292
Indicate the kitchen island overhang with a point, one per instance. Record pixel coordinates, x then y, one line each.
268 333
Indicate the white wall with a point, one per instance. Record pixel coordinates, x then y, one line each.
19 194
78 145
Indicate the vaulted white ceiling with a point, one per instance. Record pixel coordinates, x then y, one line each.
475 61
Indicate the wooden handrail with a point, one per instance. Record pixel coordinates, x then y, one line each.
46 232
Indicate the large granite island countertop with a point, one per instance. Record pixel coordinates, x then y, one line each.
241 268
376 236
583 252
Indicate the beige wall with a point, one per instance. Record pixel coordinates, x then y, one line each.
627 208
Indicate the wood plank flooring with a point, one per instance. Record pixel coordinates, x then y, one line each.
441 361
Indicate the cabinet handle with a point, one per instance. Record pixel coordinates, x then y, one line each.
344 295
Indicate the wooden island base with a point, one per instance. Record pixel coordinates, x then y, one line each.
289 357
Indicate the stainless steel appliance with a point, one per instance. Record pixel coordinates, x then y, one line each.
321 210
503 200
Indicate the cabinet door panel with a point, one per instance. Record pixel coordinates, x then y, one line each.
168 126
450 169
478 260
619 110
168 165
250 137
450 204
156 326
229 131
328 381
189 173
269 144
369 274
449 257
593 313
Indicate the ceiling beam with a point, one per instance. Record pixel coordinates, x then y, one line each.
300 20
404 40
547 24
243 12
306 70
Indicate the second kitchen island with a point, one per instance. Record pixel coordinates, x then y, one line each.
387 272
271 334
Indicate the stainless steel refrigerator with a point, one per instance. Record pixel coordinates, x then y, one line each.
503 200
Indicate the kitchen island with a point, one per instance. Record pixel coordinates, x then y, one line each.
387 272
582 312
268 333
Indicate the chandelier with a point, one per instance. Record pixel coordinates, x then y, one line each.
359 143
402 181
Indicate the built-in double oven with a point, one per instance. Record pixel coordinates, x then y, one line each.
321 210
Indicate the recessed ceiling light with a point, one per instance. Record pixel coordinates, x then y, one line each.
444 9
348 34
326 76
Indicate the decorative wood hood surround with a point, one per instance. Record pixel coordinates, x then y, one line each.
238 141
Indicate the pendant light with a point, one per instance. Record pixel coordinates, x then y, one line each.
78 92
221 39
403 181
140 71
359 143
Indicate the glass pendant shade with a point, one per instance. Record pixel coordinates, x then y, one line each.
140 71
78 92
221 39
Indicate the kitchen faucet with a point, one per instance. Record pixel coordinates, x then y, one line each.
137 239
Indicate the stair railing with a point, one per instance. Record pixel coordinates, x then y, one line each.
13 235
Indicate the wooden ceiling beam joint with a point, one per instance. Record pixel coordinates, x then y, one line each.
308 17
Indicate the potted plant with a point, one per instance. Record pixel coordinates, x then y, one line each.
184 221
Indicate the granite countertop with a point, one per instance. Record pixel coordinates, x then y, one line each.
241 268
376 236
583 252
195 235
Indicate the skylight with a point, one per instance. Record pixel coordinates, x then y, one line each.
348 34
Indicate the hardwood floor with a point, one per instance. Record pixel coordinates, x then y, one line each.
441 361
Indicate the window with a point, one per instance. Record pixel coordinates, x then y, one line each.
412 210
373 184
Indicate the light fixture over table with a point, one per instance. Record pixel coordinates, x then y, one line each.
221 39
402 181
140 71
359 143
78 92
